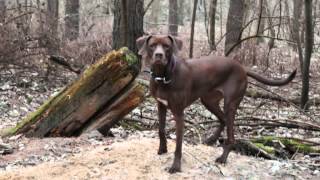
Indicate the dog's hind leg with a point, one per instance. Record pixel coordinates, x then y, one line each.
212 104
230 110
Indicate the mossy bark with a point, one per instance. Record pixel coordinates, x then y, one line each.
291 145
77 107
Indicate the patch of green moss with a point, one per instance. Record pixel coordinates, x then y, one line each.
268 149
299 147
130 57
293 144
266 140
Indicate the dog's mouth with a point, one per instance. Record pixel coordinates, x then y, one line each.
158 68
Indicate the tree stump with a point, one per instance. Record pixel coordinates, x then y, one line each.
103 94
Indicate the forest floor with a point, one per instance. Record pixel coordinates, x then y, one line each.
134 157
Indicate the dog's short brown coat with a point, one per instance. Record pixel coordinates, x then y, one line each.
176 83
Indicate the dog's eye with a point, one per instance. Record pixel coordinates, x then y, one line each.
166 46
152 46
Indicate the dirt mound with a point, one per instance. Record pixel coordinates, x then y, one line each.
136 158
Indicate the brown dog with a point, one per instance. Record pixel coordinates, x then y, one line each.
176 83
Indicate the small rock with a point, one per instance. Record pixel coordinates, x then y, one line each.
24 109
316 172
172 136
5 87
14 113
5 149
276 165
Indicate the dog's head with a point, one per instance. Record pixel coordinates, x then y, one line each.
157 50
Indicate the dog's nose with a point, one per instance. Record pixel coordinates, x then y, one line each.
159 55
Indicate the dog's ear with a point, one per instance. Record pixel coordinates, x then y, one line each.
177 43
142 43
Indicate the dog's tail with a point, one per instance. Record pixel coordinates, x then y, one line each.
272 82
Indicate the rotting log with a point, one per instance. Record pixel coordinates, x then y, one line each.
103 94
257 94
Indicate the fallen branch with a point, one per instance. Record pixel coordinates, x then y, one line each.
256 94
64 63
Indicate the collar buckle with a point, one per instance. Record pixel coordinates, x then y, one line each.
162 79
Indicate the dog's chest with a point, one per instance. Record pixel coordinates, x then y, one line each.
170 98
162 97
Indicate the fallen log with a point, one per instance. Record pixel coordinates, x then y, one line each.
274 97
103 94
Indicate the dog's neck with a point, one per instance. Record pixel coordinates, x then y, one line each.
164 74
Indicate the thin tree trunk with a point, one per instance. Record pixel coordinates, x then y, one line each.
72 19
192 27
234 23
261 24
127 23
2 11
173 17
181 13
212 24
297 10
155 12
308 52
124 22
52 20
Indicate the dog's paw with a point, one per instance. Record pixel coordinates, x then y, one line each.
174 169
162 151
209 142
221 160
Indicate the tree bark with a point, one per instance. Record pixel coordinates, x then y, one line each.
52 20
101 96
2 11
72 19
181 13
173 17
155 12
260 29
234 23
127 23
297 10
193 21
212 24
307 54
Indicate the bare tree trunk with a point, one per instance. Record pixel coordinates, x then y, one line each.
52 20
297 10
2 11
192 27
234 23
155 11
173 17
212 23
127 23
263 8
308 52
72 19
181 14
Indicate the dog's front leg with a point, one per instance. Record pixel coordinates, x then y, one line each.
176 166
162 111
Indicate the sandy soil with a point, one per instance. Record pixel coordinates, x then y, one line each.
136 158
